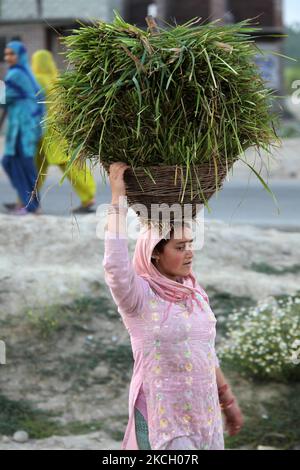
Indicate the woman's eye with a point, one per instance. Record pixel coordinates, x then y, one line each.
188 246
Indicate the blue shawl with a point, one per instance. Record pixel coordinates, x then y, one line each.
24 103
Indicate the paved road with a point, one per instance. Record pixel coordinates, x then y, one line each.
238 202
250 203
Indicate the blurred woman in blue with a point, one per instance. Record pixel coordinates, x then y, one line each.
25 111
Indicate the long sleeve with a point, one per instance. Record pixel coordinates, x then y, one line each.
127 288
11 93
13 87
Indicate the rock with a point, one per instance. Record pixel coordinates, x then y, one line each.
21 436
5 439
266 448
297 447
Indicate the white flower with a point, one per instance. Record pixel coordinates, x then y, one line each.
265 338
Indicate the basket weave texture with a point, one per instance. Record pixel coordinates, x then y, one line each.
173 185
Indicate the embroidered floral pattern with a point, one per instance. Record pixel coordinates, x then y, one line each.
175 354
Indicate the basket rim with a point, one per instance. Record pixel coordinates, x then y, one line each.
196 165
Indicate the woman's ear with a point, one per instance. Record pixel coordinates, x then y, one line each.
155 254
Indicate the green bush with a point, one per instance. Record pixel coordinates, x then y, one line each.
264 341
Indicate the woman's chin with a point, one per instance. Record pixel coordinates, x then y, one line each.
186 271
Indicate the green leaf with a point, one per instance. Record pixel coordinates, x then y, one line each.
265 185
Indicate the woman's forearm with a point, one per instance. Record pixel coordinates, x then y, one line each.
221 381
228 404
220 377
117 218
117 212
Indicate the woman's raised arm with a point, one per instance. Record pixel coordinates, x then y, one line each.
127 288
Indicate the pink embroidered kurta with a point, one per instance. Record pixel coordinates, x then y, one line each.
174 359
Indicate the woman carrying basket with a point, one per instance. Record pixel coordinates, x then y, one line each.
177 392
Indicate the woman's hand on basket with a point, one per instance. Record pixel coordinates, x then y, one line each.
116 178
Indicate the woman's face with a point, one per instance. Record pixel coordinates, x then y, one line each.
176 259
10 57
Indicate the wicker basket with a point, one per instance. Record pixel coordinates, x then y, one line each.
170 186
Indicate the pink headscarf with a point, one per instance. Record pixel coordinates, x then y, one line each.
166 288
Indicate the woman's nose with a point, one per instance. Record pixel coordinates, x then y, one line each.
189 256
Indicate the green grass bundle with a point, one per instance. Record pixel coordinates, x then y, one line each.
185 95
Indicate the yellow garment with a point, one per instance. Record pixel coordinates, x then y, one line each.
81 179
52 150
